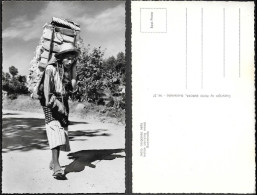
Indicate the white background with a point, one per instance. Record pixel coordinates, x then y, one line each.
196 144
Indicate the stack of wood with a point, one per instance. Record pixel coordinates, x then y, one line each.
54 35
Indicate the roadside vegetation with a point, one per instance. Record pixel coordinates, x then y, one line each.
100 94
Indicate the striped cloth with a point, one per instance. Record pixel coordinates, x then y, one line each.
56 134
56 82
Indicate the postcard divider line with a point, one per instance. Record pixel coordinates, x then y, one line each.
239 42
224 44
202 48
186 48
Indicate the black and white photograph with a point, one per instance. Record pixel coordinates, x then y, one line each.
128 97
193 125
63 96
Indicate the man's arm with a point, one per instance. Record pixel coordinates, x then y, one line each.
48 84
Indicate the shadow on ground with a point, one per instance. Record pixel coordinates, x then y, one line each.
76 123
73 135
85 158
25 134
8 114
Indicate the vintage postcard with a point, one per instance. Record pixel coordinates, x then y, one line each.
193 97
63 89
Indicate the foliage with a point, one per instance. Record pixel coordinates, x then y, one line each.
13 96
14 85
13 71
6 76
120 65
101 81
83 110
109 64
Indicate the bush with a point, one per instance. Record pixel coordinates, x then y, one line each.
22 103
14 85
12 96
83 110
101 82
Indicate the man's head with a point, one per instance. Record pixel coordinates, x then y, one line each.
67 55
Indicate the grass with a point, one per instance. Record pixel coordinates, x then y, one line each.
22 103
83 110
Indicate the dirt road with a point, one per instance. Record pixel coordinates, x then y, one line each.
95 164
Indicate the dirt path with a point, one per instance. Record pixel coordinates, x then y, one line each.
95 164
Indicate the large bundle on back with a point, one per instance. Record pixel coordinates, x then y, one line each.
54 35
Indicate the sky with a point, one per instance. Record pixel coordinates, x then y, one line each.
102 24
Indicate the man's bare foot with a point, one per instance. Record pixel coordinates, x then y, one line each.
56 167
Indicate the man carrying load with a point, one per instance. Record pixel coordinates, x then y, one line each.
56 83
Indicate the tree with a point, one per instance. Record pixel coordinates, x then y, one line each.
121 63
15 85
110 63
89 74
101 81
13 71
6 76
22 79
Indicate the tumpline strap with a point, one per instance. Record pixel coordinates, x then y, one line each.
51 45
